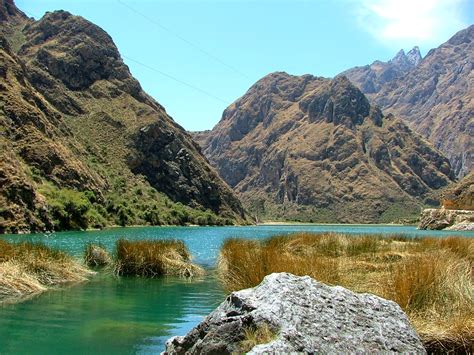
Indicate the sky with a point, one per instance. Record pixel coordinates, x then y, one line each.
196 57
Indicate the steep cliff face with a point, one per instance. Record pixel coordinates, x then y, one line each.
312 148
434 97
76 123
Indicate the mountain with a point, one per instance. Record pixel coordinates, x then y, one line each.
435 97
315 149
370 79
82 145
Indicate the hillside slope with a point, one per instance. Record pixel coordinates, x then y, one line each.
435 97
314 149
83 145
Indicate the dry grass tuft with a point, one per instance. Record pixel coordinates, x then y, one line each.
96 256
153 258
28 268
430 278
256 336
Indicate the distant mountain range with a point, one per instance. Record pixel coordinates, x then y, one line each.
370 79
82 145
434 95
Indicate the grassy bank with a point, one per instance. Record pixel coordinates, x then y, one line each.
430 278
153 258
27 269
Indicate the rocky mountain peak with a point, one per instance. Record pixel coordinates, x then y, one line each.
371 78
435 98
337 101
464 36
414 56
399 57
76 52
407 61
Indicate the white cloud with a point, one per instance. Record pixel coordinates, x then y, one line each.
415 21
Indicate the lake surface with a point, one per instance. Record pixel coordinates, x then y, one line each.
132 315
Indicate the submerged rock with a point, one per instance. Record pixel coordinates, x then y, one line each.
306 316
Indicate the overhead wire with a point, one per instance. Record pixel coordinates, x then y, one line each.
204 92
169 76
190 43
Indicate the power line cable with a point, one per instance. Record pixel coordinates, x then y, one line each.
195 46
204 92
177 80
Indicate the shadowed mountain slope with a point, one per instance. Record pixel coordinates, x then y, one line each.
460 196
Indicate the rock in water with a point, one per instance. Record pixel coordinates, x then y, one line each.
307 316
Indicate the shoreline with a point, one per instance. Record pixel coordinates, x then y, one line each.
278 223
262 224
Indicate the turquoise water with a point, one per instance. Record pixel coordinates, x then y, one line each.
133 315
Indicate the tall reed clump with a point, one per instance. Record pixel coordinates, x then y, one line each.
430 278
244 263
27 268
435 288
153 258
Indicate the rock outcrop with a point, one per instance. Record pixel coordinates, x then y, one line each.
314 149
306 317
457 212
438 219
435 97
80 137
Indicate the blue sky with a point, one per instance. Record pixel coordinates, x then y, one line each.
197 56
